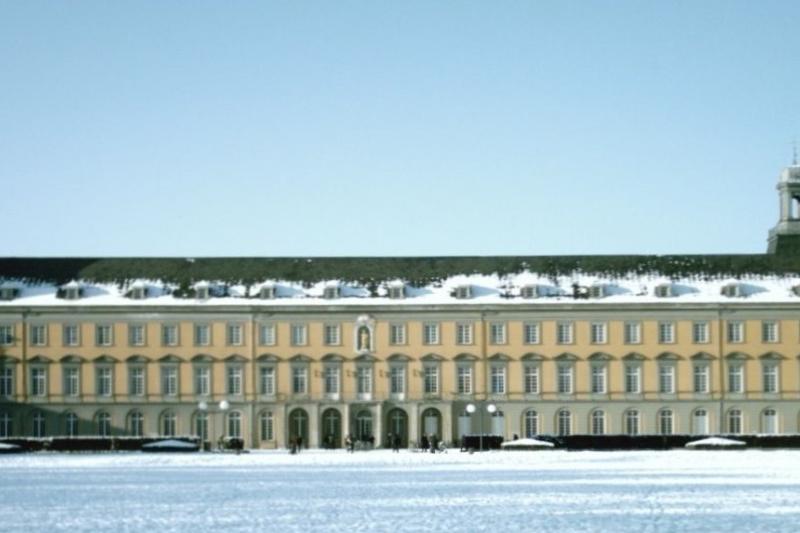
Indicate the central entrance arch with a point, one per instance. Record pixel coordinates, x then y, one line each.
397 424
431 422
331 429
298 426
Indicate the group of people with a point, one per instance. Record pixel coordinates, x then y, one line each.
296 444
429 443
432 444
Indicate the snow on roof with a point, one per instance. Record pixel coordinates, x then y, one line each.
485 289
716 442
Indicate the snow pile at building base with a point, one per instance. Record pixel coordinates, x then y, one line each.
715 442
170 445
526 444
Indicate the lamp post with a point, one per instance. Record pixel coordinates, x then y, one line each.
204 407
489 408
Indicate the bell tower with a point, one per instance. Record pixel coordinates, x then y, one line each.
784 238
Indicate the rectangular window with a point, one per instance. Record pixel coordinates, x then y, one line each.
235 374
633 379
169 334
666 332
103 335
397 334
6 382
430 333
202 335
104 381
700 334
202 380
598 332
71 334
531 379
497 333
498 379
701 380
299 335
6 335
464 379
735 378
332 380
136 381
235 334
532 333
769 331
136 335
735 331
431 379
599 379
38 381
299 380
364 380
564 333
38 335
397 380
332 335
564 378
633 332
266 335
666 379
771 378
71 382
169 381
463 333
266 380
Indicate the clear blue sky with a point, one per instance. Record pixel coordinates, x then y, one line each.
394 128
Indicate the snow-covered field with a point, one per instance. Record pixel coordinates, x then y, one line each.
381 491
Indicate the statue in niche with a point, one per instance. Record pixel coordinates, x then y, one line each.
363 339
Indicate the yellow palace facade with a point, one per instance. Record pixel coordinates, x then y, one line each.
274 349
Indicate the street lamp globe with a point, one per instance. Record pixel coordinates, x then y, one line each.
203 405
491 408
224 405
470 408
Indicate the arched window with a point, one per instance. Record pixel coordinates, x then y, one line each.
531 423
201 425
665 422
700 422
39 424
735 421
769 421
266 425
632 422
598 422
363 425
6 425
71 424
103 421
564 422
168 424
235 425
135 424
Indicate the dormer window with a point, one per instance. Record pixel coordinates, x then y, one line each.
267 292
531 291
202 292
733 290
397 292
463 292
331 292
8 293
597 291
664 291
138 292
71 291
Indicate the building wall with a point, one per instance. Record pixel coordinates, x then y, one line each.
22 355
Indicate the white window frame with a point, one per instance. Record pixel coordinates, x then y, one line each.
298 334
137 339
104 334
170 386
397 379
565 332
498 333
364 381
72 380
267 334
598 332
202 334
397 334
7 332
38 377
38 334
632 332
565 378
770 377
71 335
430 379
464 333
137 385
666 376
234 379
770 331
498 382
701 377
300 380
266 380
430 333
735 331
735 377
700 332
332 334
235 334
170 335
666 332
532 333
7 381
599 378
104 380
531 377
633 378
332 379
464 378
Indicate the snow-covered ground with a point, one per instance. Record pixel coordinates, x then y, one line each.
560 491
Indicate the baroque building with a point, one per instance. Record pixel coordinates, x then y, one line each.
270 349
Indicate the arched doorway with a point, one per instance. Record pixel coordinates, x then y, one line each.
331 429
298 426
432 422
364 426
397 424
